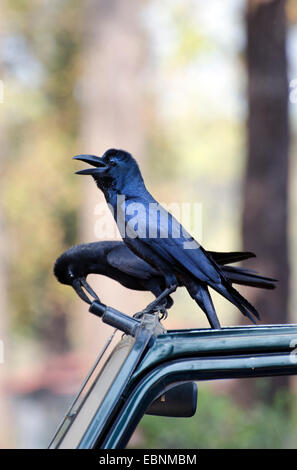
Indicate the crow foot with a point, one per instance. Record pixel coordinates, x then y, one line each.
158 305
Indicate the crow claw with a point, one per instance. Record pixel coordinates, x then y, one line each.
158 308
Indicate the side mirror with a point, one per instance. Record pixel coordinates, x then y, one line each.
180 402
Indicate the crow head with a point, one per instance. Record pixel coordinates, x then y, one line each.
70 272
116 170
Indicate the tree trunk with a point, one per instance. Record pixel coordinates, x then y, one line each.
265 216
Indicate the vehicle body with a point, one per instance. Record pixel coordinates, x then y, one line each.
146 365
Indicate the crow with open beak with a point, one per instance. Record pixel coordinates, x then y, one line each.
171 251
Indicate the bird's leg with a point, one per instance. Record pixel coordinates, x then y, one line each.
158 304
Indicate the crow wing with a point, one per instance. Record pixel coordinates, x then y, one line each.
124 260
175 245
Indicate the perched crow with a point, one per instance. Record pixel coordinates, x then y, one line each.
157 237
114 259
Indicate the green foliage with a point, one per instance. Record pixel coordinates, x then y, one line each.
220 423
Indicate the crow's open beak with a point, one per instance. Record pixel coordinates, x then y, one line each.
100 166
78 285
80 292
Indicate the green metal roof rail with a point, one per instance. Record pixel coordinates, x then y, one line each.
155 360
202 355
236 340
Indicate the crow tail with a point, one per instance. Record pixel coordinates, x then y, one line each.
231 294
230 257
247 277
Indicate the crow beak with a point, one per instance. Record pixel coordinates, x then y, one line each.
100 166
78 289
77 285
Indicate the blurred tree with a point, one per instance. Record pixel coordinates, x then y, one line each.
265 217
5 429
39 192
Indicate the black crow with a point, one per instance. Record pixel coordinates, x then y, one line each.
114 259
155 236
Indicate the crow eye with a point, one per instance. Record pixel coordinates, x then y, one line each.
112 162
